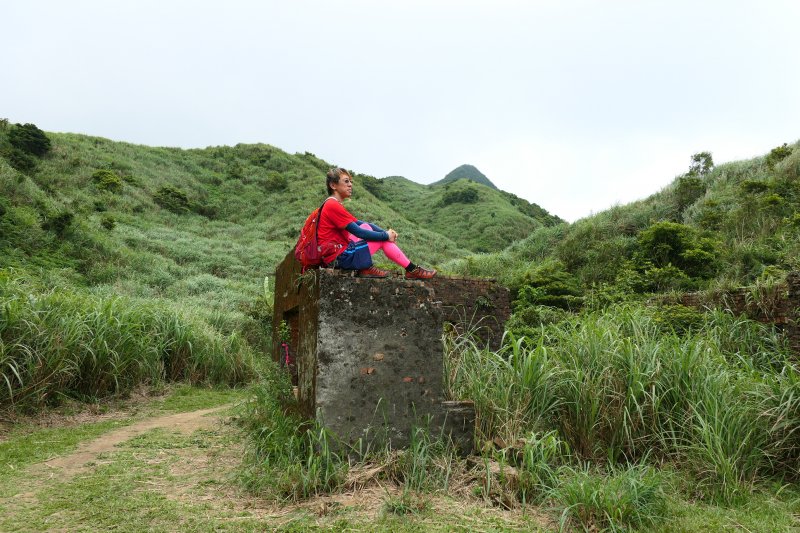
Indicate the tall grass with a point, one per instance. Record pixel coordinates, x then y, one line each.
65 343
619 388
288 458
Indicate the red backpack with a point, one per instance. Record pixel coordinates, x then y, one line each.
307 250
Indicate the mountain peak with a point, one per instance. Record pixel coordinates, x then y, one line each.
467 172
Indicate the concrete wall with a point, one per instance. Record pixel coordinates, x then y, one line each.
369 351
379 357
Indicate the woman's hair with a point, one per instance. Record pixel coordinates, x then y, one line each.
333 177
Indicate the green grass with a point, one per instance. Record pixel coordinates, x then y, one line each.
616 387
67 343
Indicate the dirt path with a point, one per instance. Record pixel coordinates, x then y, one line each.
67 466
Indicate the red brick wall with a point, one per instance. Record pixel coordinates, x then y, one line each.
778 304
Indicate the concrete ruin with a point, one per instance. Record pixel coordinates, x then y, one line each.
369 354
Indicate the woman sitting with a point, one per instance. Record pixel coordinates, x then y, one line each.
349 243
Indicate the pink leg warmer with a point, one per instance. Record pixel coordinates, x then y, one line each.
392 251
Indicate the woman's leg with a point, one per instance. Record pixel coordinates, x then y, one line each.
392 251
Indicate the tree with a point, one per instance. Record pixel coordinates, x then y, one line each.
29 139
702 163
668 243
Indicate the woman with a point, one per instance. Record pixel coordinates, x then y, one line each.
349 243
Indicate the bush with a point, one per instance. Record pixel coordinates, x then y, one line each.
551 285
754 186
372 184
710 215
688 189
669 243
622 498
107 180
63 343
172 199
58 222
108 222
678 319
20 160
29 139
275 181
287 460
701 165
467 195
776 155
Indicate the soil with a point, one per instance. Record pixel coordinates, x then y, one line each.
186 423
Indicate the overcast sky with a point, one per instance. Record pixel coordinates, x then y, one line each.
574 105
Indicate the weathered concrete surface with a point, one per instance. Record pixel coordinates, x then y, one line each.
379 356
369 352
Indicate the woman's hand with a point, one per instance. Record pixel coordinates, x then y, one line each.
392 235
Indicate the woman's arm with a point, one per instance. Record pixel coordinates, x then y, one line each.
366 234
374 227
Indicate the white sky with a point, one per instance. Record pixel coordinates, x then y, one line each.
574 105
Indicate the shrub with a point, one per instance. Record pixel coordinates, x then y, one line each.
20 160
172 199
372 184
542 453
275 181
710 215
468 195
688 189
108 222
633 496
678 319
778 154
107 180
58 222
669 243
287 460
62 343
29 139
209 210
549 285
754 186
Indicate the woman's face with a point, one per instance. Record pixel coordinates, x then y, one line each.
343 189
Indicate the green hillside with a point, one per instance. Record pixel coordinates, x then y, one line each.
732 224
192 232
466 172
479 218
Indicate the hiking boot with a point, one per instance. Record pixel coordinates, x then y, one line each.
372 272
420 273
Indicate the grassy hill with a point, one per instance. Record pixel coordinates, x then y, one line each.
188 234
466 172
733 224
478 217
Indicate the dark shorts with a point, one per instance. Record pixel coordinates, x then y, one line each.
355 257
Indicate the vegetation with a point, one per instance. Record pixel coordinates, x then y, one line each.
466 172
59 344
123 265
478 218
713 227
